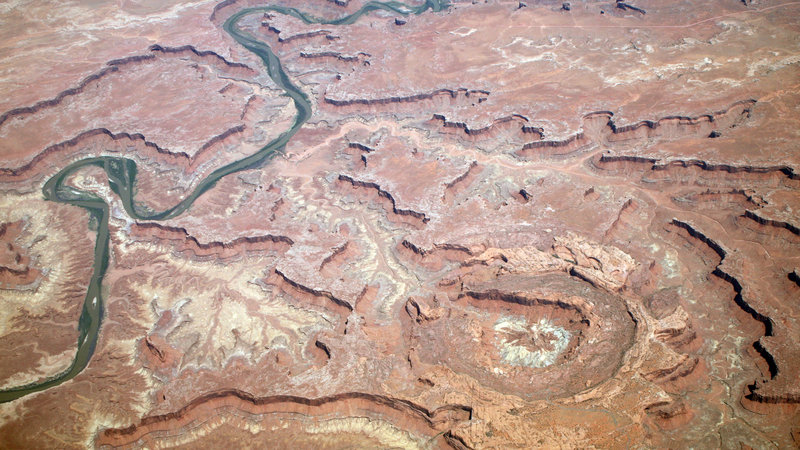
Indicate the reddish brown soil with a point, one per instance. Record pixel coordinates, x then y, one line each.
506 225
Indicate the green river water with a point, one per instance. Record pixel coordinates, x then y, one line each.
121 173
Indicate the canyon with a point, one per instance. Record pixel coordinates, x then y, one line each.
357 224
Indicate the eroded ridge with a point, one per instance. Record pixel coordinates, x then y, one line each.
17 271
599 128
114 66
781 385
186 243
427 241
536 342
448 95
624 162
756 217
204 413
515 122
139 138
33 140
122 173
279 279
382 194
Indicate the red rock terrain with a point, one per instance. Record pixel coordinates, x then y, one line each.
505 225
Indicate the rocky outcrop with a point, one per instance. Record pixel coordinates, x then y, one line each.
336 56
624 165
669 415
515 123
217 58
310 295
681 126
361 147
114 66
184 243
570 145
604 130
786 171
781 386
795 276
299 36
434 257
448 94
81 139
382 194
16 268
602 266
754 216
460 183
627 7
403 413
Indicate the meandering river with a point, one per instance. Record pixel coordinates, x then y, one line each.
121 173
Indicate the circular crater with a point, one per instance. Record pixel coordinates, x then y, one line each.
538 337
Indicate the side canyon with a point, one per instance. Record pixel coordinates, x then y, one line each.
357 224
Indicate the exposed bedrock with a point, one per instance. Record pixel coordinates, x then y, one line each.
445 248
602 266
290 32
461 183
326 56
756 217
599 128
84 140
116 65
17 271
436 257
699 172
566 147
183 242
338 421
537 337
515 125
672 127
780 384
309 295
669 415
440 97
374 190
33 134
244 69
